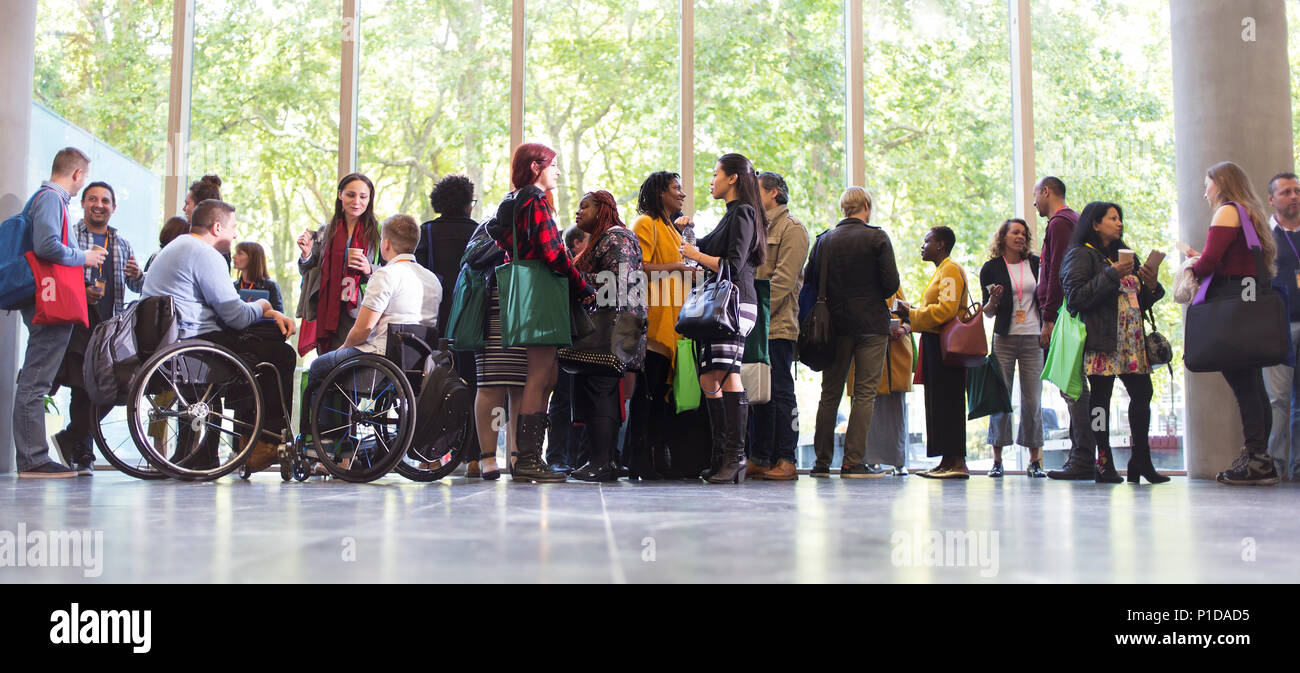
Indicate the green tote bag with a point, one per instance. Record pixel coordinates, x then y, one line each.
686 381
756 347
468 311
1064 366
534 303
986 392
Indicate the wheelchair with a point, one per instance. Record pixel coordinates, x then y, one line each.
365 419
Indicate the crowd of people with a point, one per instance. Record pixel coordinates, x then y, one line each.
676 407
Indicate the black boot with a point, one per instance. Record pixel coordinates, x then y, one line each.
718 429
661 460
731 469
1139 465
639 462
528 439
1105 472
1078 466
602 433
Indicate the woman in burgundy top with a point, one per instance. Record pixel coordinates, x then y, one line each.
1228 257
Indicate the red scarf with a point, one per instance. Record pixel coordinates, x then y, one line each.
333 285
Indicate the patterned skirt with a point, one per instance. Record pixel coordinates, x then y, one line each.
725 354
497 366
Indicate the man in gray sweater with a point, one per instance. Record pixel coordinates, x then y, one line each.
192 271
48 212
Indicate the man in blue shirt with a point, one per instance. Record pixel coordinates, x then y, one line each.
106 294
193 272
1283 386
48 212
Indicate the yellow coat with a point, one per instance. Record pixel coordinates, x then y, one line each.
897 377
943 299
660 244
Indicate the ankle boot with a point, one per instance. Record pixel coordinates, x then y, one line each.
731 468
1106 473
1078 466
718 430
1139 465
529 437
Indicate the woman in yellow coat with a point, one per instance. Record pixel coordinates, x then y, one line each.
945 385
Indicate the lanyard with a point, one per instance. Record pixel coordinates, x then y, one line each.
1103 255
1020 290
1287 235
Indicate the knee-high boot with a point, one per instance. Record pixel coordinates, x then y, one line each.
731 469
718 431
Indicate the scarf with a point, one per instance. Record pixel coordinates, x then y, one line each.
334 284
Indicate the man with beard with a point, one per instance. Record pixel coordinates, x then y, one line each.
1284 197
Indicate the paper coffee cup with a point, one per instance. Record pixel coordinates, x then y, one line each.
1126 255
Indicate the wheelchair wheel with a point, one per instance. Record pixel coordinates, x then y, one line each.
113 439
432 458
363 418
194 410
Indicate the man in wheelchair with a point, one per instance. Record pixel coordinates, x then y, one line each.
193 272
401 292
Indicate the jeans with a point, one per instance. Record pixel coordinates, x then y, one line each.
320 368
776 424
867 355
1283 395
46 345
1024 350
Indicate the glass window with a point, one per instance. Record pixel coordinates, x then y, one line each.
1103 123
769 84
602 79
264 117
434 100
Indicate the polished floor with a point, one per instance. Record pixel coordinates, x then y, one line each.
896 529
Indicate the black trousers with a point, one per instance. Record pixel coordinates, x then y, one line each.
257 347
1139 406
596 406
650 415
945 402
566 443
1247 384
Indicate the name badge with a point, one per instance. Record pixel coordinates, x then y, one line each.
1021 316
1297 279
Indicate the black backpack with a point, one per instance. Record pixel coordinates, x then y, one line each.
119 345
444 411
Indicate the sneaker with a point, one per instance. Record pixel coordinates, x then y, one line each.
900 471
1250 470
50 470
76 455
861 472
1035 471
996 472
820 471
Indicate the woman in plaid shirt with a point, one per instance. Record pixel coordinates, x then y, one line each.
528 213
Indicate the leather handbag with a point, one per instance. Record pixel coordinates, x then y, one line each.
817 332
1159 352
712 310
615 344
962 340
1241 330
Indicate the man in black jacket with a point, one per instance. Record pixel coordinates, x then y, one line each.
443 240
860 274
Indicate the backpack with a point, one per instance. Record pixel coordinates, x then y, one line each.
119 345
17 284
444 409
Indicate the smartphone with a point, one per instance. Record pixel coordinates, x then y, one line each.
1154 259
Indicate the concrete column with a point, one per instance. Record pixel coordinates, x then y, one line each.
18 53
1232 102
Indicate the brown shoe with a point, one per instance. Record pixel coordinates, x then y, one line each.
264 453
472 471
784 470
756 470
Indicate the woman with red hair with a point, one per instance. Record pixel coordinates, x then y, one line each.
526 219
611 261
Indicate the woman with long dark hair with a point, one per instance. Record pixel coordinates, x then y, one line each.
336 262
526 220
250 261
1012 273
1229 258
1109 295
740 242
612 255
650 417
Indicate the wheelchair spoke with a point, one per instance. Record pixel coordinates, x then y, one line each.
347 397
333 430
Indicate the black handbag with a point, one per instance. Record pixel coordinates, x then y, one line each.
816 332
712 310
615 343
1238 331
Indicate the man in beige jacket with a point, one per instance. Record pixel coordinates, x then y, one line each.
776 424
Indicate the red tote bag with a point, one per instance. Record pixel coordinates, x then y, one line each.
60 290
